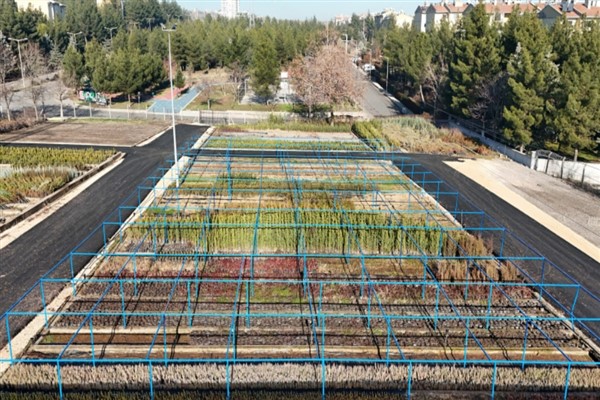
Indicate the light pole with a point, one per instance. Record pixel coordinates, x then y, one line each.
110 31
20 58
73 38
346 42
387 72
172 105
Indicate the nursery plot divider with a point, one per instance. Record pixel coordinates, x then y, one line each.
363 200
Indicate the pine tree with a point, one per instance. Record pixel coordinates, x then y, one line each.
476 60
265 65
532 81
578 99
73 67
179 80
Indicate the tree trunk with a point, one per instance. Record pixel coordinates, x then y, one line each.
62 116
521 147
576 155
332 122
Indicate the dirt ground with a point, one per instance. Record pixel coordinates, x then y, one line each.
573 208
87 132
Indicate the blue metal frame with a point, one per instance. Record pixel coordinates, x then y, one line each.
336 170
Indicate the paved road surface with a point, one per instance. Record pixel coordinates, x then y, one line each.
26 259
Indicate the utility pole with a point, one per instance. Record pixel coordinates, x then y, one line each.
110 31
122 10
172 105
345 34
387 73
73 37
20 58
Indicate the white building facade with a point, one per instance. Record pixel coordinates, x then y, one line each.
51 9
230 8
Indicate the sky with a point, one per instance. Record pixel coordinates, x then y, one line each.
324 10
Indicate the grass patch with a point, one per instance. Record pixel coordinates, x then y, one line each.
47 157
416 135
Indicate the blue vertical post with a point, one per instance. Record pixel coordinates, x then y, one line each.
573 306
44 302
165 339
525 344
151 380
247 305
92 341
424 283
466 346
489 306
135 286
467 279
494 373
189 303
369 305
72 273
323 368
122 292
502 242
409 383
542 278
10 350
387 342
567 381
437 306
59 380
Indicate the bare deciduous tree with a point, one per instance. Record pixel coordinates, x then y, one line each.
8 62
327 78
34 66
491 99
435 80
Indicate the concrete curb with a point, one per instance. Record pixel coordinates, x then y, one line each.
60 192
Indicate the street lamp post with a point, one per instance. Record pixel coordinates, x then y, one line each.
73 38
345 34
387 72
172 106
20 58
110 31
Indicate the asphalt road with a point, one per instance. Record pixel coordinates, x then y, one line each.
376 103
26 259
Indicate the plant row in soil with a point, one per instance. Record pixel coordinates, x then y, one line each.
295 379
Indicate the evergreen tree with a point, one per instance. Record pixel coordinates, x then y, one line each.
265 66
576 121
476 60
73 67
532 81
179 80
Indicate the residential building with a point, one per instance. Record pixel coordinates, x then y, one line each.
420 18
573 12
230 8
444 11
51 9
400 17
500 11
341 20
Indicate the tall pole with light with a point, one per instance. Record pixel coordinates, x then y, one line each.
110 31
20 58
387 72
169 30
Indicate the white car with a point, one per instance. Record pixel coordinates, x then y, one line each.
368 67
